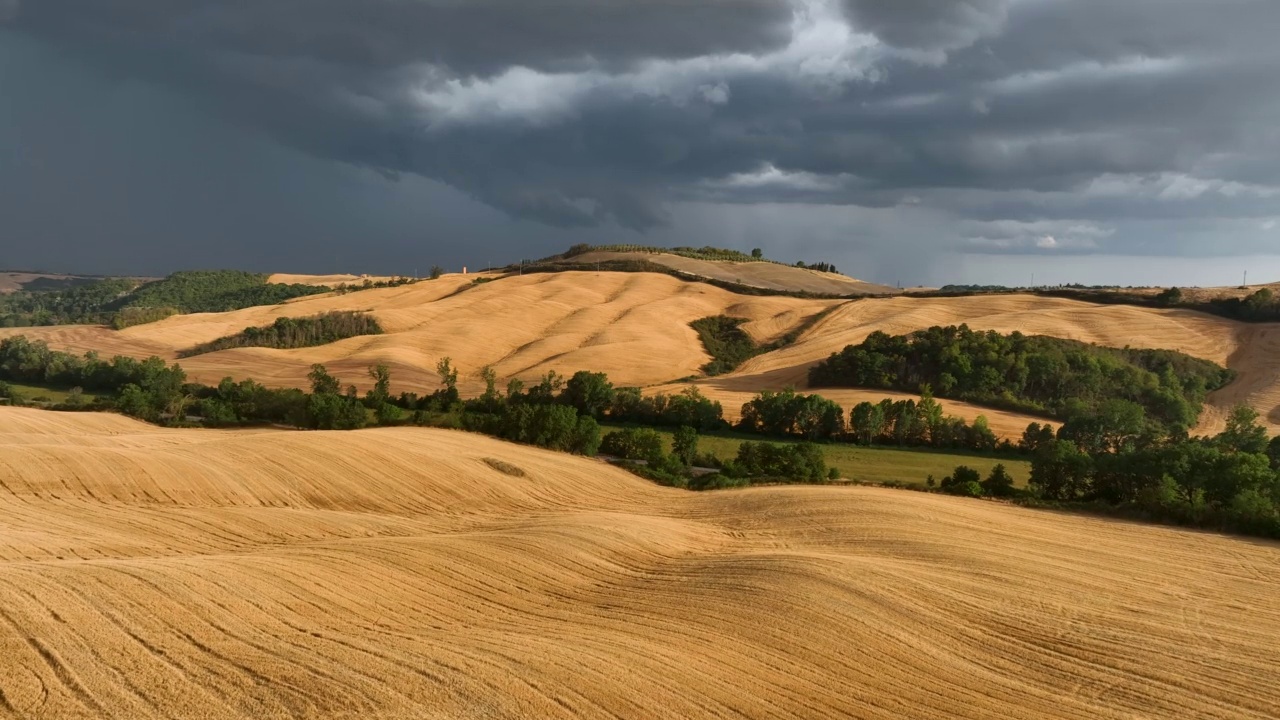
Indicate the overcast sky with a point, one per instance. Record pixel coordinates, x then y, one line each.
912 141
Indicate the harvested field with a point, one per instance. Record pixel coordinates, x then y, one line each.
768 275
149 573
634 326
1249 349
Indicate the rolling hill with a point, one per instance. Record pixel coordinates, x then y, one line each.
635 327
151 573
767 275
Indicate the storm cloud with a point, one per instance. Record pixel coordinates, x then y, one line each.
947 127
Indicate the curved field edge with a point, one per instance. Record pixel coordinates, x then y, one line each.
634 327
389 573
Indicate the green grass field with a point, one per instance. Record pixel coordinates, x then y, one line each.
872 464
33 393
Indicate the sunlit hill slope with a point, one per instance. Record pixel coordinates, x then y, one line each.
635 327
151 573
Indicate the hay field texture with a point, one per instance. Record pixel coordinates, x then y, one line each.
150 573
634 326
768 275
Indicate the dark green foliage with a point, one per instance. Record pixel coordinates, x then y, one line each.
1060 471
788 414
330 411
161 386
717 481
725 342
1027 373
634 444
123 302
1229 481
789 462
83 304
684 445
690 408
589 393
130 316
556 427
729 346
327 409
963 481
436 272
214 291
998 483
289 333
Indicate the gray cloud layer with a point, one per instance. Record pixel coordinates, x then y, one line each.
992 126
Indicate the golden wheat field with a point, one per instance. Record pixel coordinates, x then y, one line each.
635 327
769 275
420 573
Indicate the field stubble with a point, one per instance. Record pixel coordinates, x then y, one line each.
396 573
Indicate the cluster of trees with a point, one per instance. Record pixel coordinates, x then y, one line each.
123 302
819 266
288 333
1116 458
1260 306
903 422
726 342
1027 373
967 482
213 291
684 466
81 304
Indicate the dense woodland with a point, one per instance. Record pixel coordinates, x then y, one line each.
122 302
1061 378
289 333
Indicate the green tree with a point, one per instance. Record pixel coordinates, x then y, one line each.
590 393
1060 471
1243 433
999 483
868 422
436 272
684 445
322 383
381 392
964 480
757 253
448 375
135 403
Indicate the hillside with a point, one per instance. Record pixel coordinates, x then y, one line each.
180 574
14 281
771 276
634 326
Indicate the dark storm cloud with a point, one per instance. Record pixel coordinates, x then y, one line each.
469 36
1011 126
929 24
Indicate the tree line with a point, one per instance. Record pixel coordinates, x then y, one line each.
125 302
289 333
1035 374
1112 457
